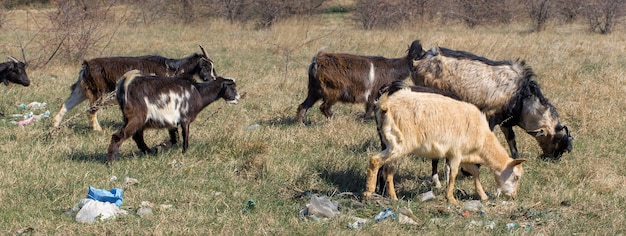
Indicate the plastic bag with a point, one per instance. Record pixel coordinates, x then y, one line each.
113 196
93 210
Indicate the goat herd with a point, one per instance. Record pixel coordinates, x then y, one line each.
450 113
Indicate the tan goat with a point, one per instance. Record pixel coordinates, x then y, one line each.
434 126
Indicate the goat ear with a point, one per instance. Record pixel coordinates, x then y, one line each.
516 162
537 132
434 51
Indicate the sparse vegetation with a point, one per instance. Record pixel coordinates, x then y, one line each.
254 150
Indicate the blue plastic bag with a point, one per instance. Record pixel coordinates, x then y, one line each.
113 196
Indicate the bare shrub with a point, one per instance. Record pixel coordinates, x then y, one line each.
602 15
383 13
3 17
540 11
233 10
481 12
568 10
77 27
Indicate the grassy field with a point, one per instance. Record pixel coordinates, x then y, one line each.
255 151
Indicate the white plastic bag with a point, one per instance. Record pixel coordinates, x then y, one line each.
92 210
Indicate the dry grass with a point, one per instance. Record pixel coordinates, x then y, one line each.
231 160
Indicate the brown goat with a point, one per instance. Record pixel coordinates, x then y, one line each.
341 77
98 77
164 102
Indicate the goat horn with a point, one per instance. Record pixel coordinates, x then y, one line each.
204 52
13 59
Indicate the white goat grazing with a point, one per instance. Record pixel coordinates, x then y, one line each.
434 126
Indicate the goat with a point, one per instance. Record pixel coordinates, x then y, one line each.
503 90
149 101
98 76
14 71
434 126
341 77
419 89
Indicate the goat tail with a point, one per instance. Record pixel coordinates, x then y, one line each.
313 66
122 85
82 74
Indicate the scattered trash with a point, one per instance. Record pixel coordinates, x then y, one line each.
26 121
483 224
25 231
29 118
427 196
512 225
249 206
358 223
145 209
93 210
473 206
253 127
385 214
34 105
112 196
407 217
465 214
320 207
130 181
113 178
165 206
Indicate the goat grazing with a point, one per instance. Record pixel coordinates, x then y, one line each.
340 77
149 101
13 71
435 162
98 76
434 126
503 90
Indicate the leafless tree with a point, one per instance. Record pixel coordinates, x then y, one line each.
602 15
540 11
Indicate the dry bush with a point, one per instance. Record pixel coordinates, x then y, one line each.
540 11
568 10
265 13
77 28
482 12
602 15
371 14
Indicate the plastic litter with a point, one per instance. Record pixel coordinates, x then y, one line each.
385 214
112 196
427 196
483 224
406 216
130 181
512 225
93 210
249 206
29 118
34 105
473 206
320 207
26 121
358 223
145 209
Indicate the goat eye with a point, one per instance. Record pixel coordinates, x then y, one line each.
515 178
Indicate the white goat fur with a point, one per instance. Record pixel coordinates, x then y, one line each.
434 126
